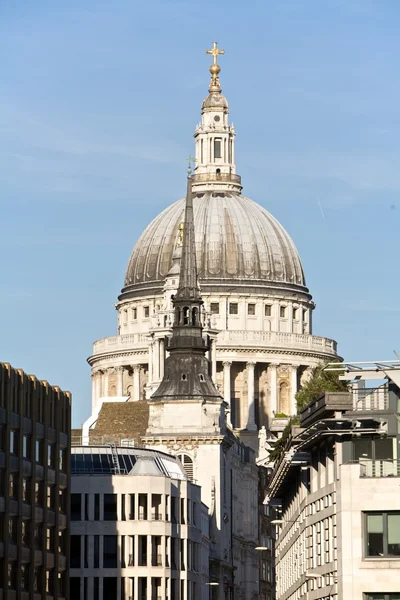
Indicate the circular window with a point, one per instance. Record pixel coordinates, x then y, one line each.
217 118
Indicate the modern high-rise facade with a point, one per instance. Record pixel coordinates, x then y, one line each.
336 490
34 485
138 529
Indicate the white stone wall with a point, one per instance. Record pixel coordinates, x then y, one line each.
190 531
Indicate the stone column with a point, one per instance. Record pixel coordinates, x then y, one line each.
94 393
105 383
227 388
98 386
156 360
214 360
274 388
136 382
119 371
162 356
293 390
251 423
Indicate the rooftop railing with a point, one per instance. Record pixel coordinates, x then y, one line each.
388 467
368 399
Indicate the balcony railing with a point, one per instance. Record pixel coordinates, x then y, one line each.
380 468
238 337
371 398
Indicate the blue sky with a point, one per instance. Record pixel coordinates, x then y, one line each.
98 103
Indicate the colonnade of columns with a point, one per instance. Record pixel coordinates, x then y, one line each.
101 383
275 405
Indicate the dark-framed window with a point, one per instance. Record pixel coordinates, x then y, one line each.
282 312
251 309
13 442
110 507
110 551
233 308
76 507
268 310
372 448
214 307
217 148
146 312
382 596
382 534
26 447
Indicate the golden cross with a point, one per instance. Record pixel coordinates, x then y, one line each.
215 52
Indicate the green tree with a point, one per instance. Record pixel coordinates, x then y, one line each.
320 381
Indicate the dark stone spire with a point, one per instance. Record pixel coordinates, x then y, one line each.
186 372
188 285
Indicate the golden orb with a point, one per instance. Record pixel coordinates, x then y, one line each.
215 69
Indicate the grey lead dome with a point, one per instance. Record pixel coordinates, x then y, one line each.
237 242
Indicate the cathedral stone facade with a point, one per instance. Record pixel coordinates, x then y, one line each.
257 311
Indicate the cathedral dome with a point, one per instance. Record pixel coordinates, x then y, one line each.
238 243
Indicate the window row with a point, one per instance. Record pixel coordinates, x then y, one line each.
134 550
25 447
31 399
132 313
32 536
142 507
297 312
106 588
44 495
44 580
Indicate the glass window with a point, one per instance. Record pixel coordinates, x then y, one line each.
282 312
76 503
110 507
383 534
11 575
382 596
134 314
38 536
61 459
38 451
110 551
12 529
75 548
295 313
50 455
38 493
50 496
214 307
146 312
13 485
25 531
233 308
50 539
25 490
268 310
217 148
13 442
251 309
24 570
25 447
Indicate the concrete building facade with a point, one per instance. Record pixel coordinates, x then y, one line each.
336 489
138 529
35 424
